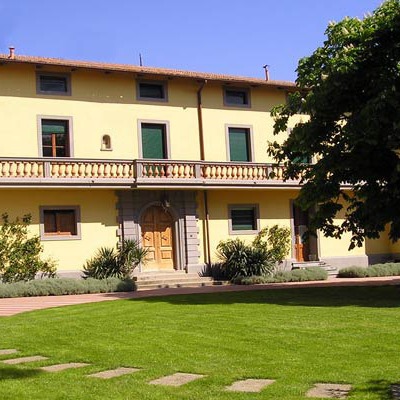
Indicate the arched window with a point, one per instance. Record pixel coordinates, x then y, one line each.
106 142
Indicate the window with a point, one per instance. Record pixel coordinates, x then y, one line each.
153 138
237 97
55 137
58 223
106 143
243 219
152 90
51 83
239 143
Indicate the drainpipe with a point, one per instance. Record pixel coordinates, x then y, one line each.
206 224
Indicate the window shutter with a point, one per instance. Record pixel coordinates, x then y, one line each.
153 141
239 144
243 219
54 126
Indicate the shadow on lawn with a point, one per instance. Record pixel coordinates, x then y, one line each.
380 388
16 373
381 297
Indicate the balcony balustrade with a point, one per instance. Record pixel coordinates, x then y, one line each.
137 173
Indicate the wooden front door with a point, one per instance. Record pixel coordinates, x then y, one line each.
157 237
302 248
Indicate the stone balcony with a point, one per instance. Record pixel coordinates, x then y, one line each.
74 172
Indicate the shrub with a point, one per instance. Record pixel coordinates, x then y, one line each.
65 286
215 270
120 263
296 275
388 269
274 240
240 259
20 255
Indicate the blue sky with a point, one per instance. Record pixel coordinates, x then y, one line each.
222 36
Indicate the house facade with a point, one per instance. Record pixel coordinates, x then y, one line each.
99 152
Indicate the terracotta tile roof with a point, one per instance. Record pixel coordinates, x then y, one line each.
162 72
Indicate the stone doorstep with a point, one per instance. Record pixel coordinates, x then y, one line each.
329 390
4 352
22 360
114 373
250 385
62 367
177 379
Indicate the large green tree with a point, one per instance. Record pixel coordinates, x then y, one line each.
350 90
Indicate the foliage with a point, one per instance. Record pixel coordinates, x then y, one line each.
120 263
64 286
20 255
387 269
350 89
241 259
276 241
296 275
216 270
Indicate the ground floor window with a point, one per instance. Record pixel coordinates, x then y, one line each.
243 219
59 223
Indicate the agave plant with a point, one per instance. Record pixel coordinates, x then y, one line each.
108 262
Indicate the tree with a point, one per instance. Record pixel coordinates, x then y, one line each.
350 90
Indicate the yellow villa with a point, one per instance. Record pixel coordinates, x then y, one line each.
100 152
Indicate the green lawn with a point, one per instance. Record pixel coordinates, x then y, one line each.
298 337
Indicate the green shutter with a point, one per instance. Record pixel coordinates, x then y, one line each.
243 219
239 146
153 141
54 126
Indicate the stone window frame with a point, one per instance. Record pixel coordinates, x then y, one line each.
40 119
167 135
65 75
249 128
245 90
164 84
256 209
46 237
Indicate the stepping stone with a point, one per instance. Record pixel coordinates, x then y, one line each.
395 389
22 360
177 379
4 352
62 367
113 373
329 390
249 385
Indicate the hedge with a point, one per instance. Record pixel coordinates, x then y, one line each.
64 286
387 269
296 275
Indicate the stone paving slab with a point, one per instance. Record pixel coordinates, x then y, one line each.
329 390
62 367
4 352
114 373
177 379
395 390
22 360
249 385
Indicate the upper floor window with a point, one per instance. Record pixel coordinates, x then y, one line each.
236 97
154 140
55 137
239 144
152 90
51 83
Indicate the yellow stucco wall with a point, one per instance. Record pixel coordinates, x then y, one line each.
98 220
106 104
274 208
